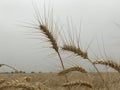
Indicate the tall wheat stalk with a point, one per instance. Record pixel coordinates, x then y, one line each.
47 27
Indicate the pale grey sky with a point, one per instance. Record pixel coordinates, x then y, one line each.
16 49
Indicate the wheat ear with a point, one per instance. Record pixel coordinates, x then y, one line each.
76 83
75 50
52 40
75 68
47 26
109 63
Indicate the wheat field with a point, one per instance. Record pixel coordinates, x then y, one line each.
52 81
73 78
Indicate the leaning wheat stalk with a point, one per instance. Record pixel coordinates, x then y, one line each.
47 28
9 67
53 42
109 63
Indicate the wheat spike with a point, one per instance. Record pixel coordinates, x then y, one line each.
109 63
78 82
47 26
75 50
75 68
49 35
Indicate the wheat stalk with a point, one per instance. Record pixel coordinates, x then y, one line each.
75 68
47 26
47 29
53 42
109 63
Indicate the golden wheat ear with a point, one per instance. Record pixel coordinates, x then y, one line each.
109 63
72 41
76 50
75 68
78 83
45 30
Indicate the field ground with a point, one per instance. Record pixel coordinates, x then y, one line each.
53 81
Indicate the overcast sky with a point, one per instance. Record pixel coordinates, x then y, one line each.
17 49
